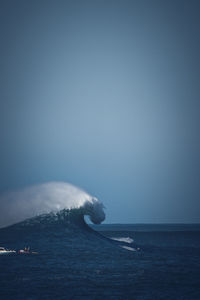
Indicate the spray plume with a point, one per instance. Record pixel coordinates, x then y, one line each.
17 206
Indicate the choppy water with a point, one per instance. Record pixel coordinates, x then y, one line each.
76 262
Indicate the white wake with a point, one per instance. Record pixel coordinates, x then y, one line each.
127 240
128 248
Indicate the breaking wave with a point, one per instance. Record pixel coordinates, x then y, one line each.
55 201
55 211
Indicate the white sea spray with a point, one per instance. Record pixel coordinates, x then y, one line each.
17 206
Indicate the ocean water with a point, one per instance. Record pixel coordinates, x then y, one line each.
77 261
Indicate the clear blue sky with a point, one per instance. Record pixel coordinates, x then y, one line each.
105 95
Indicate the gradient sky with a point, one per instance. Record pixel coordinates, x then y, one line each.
105 95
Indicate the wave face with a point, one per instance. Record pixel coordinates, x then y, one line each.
53 201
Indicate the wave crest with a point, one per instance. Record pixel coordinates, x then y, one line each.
50 197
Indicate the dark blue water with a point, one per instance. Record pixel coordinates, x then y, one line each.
76 262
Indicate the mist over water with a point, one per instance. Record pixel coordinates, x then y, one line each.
50 197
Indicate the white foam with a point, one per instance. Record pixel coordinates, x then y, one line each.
16 206
128 248
127 240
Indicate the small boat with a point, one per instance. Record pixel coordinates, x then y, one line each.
22 251
6 251
26 251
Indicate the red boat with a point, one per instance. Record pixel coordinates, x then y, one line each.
26 251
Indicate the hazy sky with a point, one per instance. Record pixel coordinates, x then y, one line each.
105 95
